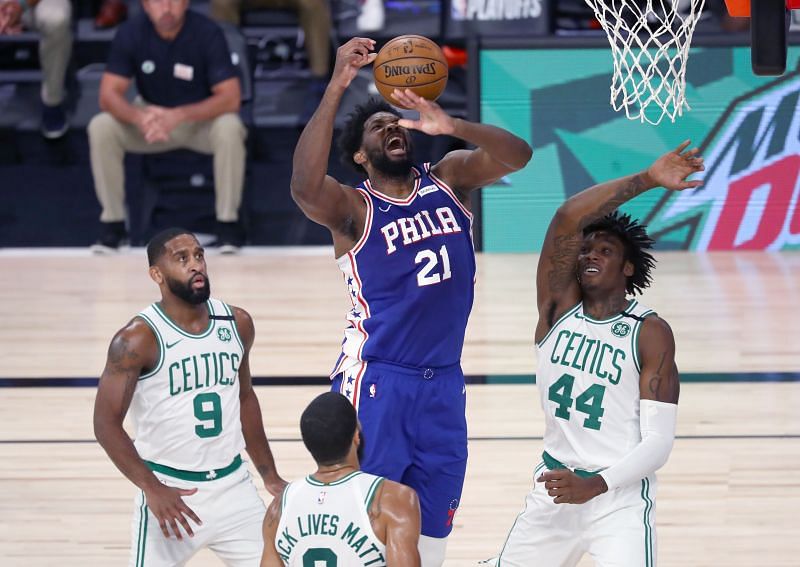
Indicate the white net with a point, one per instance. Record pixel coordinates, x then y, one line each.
650 42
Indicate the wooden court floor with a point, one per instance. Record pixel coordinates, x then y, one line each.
728 495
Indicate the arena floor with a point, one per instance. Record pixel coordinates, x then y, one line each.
727 496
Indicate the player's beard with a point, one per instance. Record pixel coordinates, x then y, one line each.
390 167
189 294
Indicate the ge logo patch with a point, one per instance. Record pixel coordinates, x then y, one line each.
148 67
224 334
621 329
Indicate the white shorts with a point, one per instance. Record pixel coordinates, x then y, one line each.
617 529
232 513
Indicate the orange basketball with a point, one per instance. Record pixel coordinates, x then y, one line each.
410 62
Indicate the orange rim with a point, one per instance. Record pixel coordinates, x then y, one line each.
738 8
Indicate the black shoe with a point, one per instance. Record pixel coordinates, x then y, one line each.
229 237
54 121
113 236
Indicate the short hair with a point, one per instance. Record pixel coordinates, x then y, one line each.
156 247
635 241
327 427
353 132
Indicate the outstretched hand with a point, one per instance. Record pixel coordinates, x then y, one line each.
672 169
432 119
350 57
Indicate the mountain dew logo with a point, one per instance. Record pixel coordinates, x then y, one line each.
749 199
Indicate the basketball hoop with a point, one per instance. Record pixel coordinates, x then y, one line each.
650 42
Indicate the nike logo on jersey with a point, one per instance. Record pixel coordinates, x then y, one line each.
419 227
386 210
173 344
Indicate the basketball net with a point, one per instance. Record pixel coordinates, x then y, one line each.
650 42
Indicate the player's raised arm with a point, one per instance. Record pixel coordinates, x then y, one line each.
557 286
255 438
498 151
134 350
397 509
320 196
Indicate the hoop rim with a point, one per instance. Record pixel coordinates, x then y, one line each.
741 8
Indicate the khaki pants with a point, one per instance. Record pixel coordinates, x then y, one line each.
315 19
223 137
53 20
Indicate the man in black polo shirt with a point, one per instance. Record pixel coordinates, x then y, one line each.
189 98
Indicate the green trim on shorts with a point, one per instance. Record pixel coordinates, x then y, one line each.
197 476
648 529
555 464
141 539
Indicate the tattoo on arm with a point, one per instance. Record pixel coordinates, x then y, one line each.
122 356
625 193
663 384
567 246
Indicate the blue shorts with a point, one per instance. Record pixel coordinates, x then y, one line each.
414 431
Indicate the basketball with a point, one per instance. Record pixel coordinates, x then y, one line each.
410 62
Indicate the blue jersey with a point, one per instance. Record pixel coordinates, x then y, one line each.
410 278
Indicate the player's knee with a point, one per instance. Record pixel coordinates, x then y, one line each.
432 550
101 128
54 18
227 129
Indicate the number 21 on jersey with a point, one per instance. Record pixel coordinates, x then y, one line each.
430 273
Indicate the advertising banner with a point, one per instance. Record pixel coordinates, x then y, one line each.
747 127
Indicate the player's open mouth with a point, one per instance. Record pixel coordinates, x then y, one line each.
591 270
395 145
198 281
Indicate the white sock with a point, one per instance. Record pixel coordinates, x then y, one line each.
432 550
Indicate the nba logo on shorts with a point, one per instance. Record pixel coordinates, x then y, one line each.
372 390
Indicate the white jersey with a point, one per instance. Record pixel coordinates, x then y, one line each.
588 381
329 524
186 409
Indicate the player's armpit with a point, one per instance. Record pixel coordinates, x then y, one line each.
398 510
659 379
